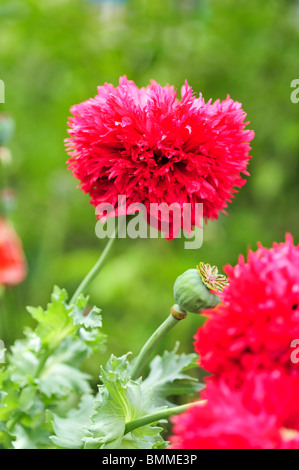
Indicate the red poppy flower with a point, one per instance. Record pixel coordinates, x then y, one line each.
150 146
12 262
254 326
263 414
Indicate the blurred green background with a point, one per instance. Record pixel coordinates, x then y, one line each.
54 53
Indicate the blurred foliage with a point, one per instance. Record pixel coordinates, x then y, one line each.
55 53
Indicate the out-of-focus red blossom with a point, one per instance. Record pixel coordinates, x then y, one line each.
251 398
263 414
253 327
12 261
152 147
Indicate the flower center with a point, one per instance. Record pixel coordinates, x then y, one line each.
210 277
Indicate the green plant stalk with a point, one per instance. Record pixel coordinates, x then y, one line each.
159 415
96 269
45 356
151 343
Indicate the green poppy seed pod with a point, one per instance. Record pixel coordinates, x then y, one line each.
191 294
7 127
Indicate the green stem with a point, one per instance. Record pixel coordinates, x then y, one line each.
152 342
96 269
158 416
45 356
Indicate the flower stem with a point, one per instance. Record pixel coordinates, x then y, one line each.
151 343
159 415
96 269
44 357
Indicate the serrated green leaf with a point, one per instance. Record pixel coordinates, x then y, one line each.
60 375
70 351
94 338
29 402
167 376
145 437
61 379
54 323
28 438
91 319
24 363
43 370
68 432
120 400
60 320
